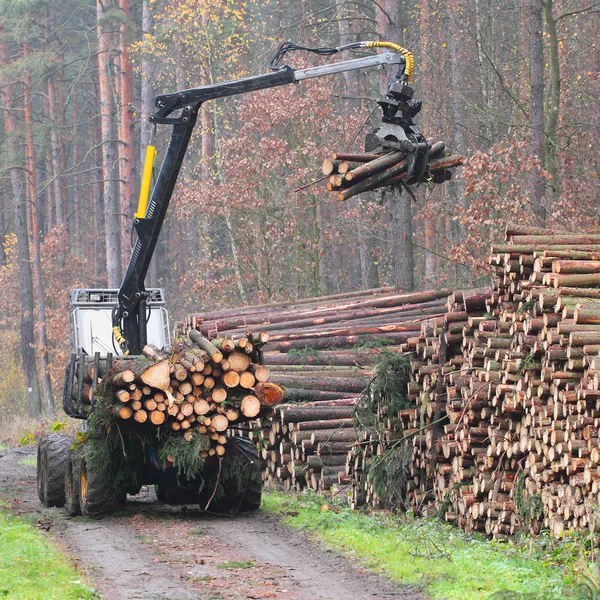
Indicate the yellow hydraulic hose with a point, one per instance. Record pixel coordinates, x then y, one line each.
408 55
119 338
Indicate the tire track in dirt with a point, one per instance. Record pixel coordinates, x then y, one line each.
152 551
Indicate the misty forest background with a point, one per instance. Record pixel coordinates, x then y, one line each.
511 84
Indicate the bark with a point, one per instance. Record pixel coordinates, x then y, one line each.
147 106
301 413
127 146
112 222
36 247
538 142
553 98
400 215
34 401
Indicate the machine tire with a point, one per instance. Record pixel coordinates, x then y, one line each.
161 492
41 470
53 452
95 495
73 483
239 496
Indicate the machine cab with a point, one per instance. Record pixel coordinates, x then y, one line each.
90 321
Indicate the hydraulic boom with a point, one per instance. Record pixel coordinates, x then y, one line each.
180 110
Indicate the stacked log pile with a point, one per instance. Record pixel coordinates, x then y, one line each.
353 174
200 389
322 351
504 430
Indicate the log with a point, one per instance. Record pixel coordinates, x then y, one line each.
157 375
356 157
374 166
157 417
204 344
268 393
250 406
123 378
300 395
292 414
231 379
123 412
247 380
323 424
140 416
330 384
238 361
219 422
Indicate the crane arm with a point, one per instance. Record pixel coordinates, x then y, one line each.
129 317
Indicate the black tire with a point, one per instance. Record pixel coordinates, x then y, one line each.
42 466
72 483
241 479
161 492
95 496
53 452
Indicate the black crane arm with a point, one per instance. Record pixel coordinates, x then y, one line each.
129 317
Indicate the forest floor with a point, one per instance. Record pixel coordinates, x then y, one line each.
153 551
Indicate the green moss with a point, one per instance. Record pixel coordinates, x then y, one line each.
31 568
29 462
447 562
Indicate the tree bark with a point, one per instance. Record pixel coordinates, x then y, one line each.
112 221
536 69
36 246
127 139
553 98
400 215
34 401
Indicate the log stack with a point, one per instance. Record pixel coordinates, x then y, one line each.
351 174
322 351
504 431
200 387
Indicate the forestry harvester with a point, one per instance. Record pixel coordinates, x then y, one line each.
113 332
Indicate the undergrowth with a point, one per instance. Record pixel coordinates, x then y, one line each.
382 400
445 561
32 568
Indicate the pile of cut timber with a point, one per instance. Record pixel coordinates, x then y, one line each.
200 387
504 432
353 174
322 351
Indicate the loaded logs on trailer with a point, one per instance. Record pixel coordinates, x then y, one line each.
353 174
200 387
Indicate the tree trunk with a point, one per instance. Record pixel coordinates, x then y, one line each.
399 207
112 222
536 68
553 98
147 100
127 145
34 402
398 204
35 235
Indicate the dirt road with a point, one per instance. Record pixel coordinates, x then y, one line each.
152 551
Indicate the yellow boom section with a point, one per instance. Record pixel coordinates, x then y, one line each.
146 181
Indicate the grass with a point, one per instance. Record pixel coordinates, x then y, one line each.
31 568
444 561
235 564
